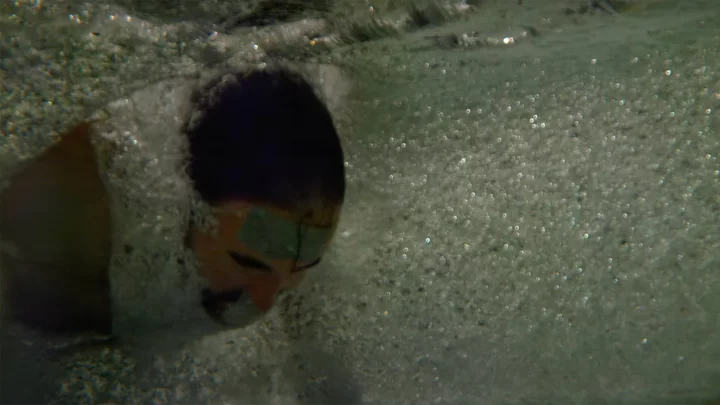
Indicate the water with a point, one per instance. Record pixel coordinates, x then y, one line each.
532 213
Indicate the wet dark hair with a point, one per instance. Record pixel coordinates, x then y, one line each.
264 136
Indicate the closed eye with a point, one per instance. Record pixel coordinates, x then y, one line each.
307 266
247 261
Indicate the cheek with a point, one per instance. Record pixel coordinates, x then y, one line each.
294 279
217 267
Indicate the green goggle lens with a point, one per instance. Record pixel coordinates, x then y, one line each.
279 238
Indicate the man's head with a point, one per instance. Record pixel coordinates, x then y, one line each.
264 153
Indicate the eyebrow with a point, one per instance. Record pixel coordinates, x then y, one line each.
247 261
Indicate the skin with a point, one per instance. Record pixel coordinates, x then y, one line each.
233 268
55 240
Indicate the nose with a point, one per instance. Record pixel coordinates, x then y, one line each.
262 292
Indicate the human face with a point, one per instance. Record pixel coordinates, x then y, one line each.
261 250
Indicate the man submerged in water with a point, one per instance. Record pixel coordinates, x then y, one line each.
263 153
